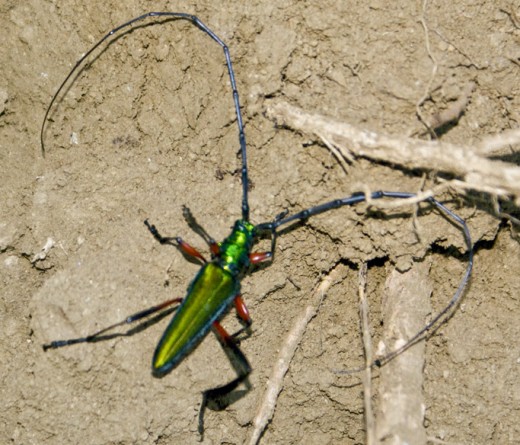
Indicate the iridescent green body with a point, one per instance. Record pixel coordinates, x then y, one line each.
209 295
217 285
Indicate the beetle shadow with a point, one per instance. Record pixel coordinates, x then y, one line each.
220 397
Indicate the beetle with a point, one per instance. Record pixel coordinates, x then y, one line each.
217 284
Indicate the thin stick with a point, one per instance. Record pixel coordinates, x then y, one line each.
435 66
366 377
293 339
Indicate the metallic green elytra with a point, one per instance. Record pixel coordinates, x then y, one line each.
208 296
217 285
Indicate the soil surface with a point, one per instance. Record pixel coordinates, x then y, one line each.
149 126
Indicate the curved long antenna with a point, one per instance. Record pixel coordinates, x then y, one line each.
356 198
195 21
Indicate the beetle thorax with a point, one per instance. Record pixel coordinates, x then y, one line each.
235 249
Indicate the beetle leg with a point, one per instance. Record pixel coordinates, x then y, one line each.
101 335
176 241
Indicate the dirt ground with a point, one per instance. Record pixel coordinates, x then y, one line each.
150 126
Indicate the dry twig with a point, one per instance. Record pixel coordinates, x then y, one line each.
457 108
367 345
435 66
454 111
405 306
293 339
476 171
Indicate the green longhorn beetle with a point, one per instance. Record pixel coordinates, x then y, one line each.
217 285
